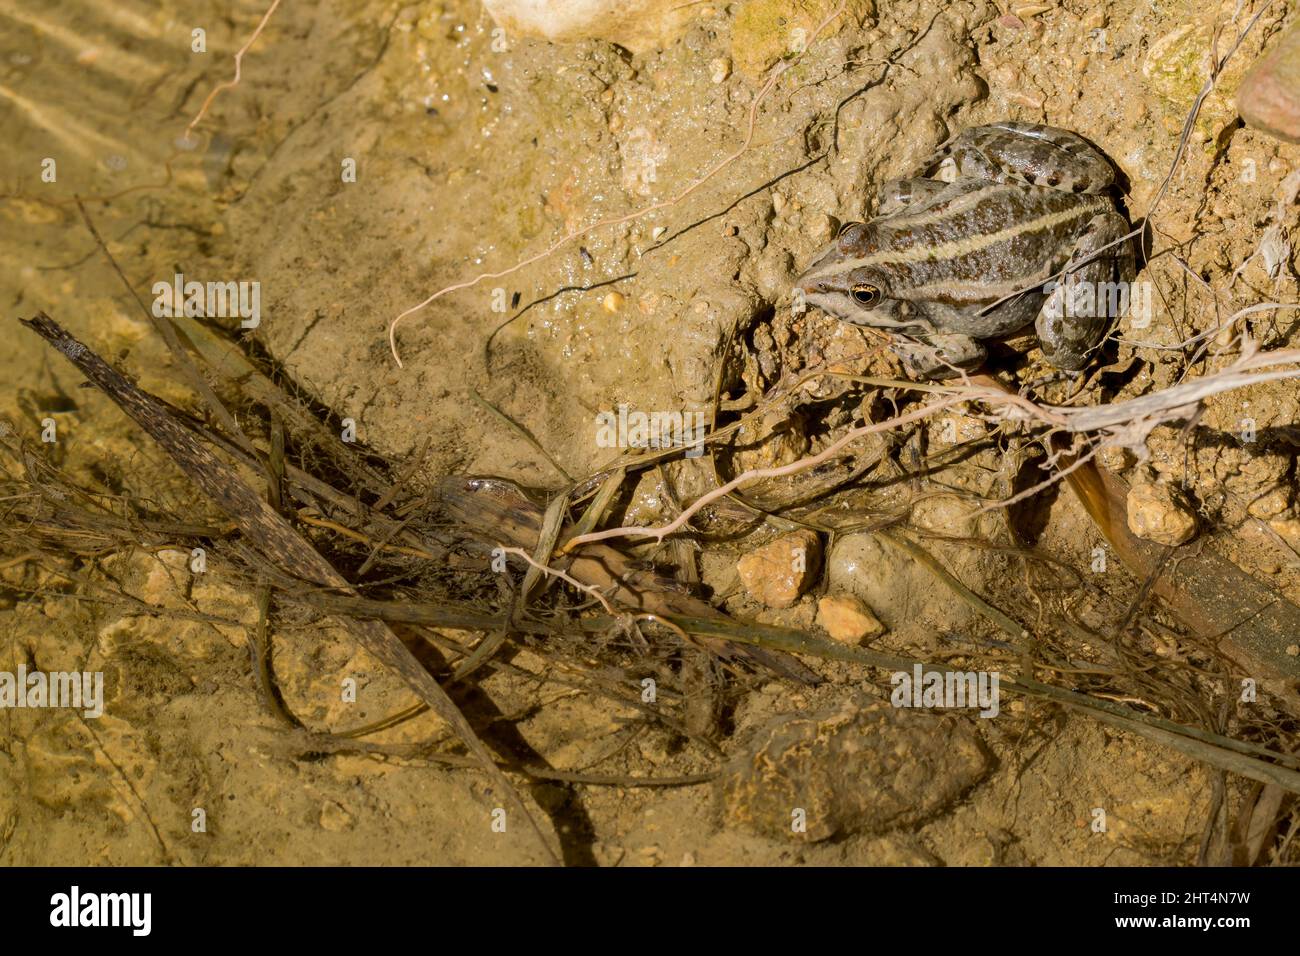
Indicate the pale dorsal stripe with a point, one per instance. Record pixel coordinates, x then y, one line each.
956 248
973 291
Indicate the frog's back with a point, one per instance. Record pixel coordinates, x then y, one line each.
974 242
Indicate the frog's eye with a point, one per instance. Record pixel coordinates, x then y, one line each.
866 294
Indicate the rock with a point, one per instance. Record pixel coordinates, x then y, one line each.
847 619
1157 514
899 591
860 767
867 567
777 573
1271 504
1269 97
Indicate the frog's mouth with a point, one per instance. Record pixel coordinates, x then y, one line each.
832 303
840 305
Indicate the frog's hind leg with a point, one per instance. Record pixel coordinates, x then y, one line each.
1092 292
1026 153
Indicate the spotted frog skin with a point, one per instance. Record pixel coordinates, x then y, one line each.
946 264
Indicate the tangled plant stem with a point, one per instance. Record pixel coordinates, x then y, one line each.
1119 423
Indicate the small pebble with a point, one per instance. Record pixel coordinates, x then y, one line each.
777 573
847 619
1156 514
1004 77
1271 503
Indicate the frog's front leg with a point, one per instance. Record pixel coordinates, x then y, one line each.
1087 298
938 355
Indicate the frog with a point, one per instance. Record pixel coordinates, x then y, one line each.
1003 225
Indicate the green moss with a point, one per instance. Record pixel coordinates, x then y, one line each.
1178 65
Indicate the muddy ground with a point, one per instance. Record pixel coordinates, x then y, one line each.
474 150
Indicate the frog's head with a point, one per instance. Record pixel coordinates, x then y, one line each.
843 282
